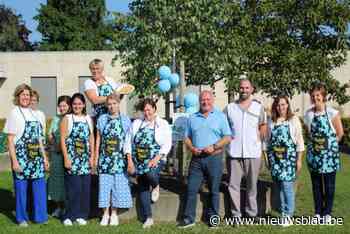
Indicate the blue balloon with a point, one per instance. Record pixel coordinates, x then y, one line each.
192 109
164 72
174 79
164 86
191 99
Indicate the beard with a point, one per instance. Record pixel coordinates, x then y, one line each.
244 96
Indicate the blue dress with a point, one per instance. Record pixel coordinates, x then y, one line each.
145 148
282 154
103 90
111 160
323 149
78 148
28 151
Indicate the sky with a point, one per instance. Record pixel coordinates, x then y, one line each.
28 9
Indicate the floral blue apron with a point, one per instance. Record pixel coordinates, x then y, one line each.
111 160
78 148
103 90
282 154
323 148
28 152
145 148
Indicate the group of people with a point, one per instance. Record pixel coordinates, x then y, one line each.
106 141
117 147
248 136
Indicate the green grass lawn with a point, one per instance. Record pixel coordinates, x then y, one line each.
304 206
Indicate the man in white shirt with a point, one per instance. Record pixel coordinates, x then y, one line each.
247 120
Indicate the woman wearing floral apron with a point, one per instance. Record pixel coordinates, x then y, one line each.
285 146
77 143
56 180
28 159
151 142
98 88
325 131
113 129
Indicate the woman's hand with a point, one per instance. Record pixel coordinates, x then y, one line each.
154 162
68 164
131 167
299 163
46 164
16 167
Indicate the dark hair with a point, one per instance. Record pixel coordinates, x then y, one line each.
81 98
318 86
148 101
274 112
66 99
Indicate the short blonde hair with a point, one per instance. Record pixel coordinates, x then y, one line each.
96 61
19 89
114 96
35 93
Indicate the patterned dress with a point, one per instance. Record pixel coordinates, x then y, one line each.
78 148
28 151
145 148
282 153
111 160
323 148
103 90
56 180
114 186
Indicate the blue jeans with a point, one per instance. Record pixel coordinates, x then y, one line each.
78 196
211 167
323 188
287 197
145 181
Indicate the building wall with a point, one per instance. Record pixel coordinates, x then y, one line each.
68 66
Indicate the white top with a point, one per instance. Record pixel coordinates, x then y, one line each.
246 142
15 122
162 134
91 84
309 115
81 118
296 132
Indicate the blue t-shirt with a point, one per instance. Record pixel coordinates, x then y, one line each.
204 131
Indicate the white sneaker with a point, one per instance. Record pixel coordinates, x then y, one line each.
114 220
57 213
81 221
67 222
286 221
327 219
23 224
155 194
317 217
104 220
148 223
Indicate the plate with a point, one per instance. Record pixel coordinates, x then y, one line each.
125 89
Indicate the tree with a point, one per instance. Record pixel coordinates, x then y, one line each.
146 38
74 25
288 45
13 32
282 46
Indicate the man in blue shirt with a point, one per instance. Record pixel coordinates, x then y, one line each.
206 135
